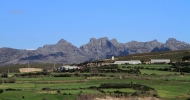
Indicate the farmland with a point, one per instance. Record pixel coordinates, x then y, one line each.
117 82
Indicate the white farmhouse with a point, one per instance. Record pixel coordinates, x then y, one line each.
128 62
135 62
121 62
160 61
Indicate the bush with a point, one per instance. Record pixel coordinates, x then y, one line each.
135 94
188 99
155 95
1 90
4 74
126 85
58 91
10 80
63 75
33 74
11 89
46 88
1 81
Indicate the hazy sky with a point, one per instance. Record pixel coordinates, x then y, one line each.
29 24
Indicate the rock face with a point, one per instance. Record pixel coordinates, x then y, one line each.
102 48
65 52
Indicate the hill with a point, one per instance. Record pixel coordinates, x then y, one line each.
175 56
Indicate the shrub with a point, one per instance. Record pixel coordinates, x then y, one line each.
188 99
58 91
43 98
1 81
46 88
1 90
63 75
135 94
11 89
4 74
10 80
155 95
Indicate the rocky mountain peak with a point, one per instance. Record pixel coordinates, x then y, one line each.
155 43
62 41
172 40
155 40
104 38
114 41
92 39
174 44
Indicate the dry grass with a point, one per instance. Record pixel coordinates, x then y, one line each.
25 70
129 98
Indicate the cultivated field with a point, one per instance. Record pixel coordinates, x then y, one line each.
142 82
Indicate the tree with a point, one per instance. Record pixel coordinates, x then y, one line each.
4 74
11 80
1 90
58 91
1 81
142 61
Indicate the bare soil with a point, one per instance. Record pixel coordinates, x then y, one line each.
24 70
129 98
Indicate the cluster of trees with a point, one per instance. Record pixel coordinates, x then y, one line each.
186 58
8 80
33 74
130 71
62 75
67 94
4 74
85 69
126 85
177 64
1 91
70 75
182 69
11 89
114 66
178 67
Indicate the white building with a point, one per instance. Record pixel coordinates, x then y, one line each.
128 62
112 58
160 61
135 62
121 62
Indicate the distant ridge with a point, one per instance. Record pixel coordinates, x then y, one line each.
65 52
174 56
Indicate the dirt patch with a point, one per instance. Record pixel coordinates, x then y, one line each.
25 70
129 98
182 76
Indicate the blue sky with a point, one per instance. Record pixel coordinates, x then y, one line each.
29 24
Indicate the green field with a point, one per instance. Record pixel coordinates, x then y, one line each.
148 66
167 85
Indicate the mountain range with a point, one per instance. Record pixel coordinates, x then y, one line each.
96 49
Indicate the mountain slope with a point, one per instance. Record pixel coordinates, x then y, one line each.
65 52
175 56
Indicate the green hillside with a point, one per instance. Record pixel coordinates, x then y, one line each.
173 55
